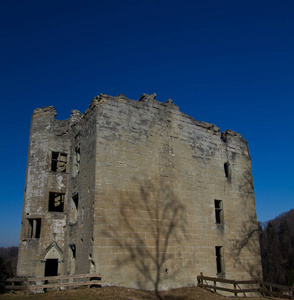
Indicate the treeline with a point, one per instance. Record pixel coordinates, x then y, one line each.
277 249
8 262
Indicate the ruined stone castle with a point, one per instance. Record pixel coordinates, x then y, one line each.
139 192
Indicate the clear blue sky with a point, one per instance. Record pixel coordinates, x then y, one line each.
228 62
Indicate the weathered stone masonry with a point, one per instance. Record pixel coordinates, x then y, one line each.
139 192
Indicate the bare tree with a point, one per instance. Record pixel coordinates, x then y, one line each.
248 239
163 216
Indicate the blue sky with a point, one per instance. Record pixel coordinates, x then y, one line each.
228 62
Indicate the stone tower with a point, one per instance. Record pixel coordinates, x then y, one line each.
139 192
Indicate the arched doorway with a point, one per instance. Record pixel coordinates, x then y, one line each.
53 260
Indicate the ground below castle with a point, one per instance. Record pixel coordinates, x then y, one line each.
120 293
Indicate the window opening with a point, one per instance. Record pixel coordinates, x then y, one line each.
73 250
51 267
34 228
56 202
58 162
219 259
219 214
228 170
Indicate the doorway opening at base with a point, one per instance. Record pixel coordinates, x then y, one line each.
51 267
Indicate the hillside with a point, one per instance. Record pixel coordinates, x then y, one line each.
121 293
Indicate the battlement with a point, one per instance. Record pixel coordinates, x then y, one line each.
145 102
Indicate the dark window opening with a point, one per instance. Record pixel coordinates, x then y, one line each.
228 171
219 259
51 267
34 228
75 199
73 250
58 162
56 202
219 214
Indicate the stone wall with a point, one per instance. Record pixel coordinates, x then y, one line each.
40 230
152 196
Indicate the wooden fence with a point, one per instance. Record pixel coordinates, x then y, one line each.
53 282
252 286
227 285
276 290
16 283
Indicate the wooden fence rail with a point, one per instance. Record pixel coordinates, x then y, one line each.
16 283
277 290
44 283
253 286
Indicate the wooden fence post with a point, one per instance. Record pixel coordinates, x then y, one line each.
12 285
235 288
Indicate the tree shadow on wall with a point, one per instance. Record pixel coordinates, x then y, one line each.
248 239
151 226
